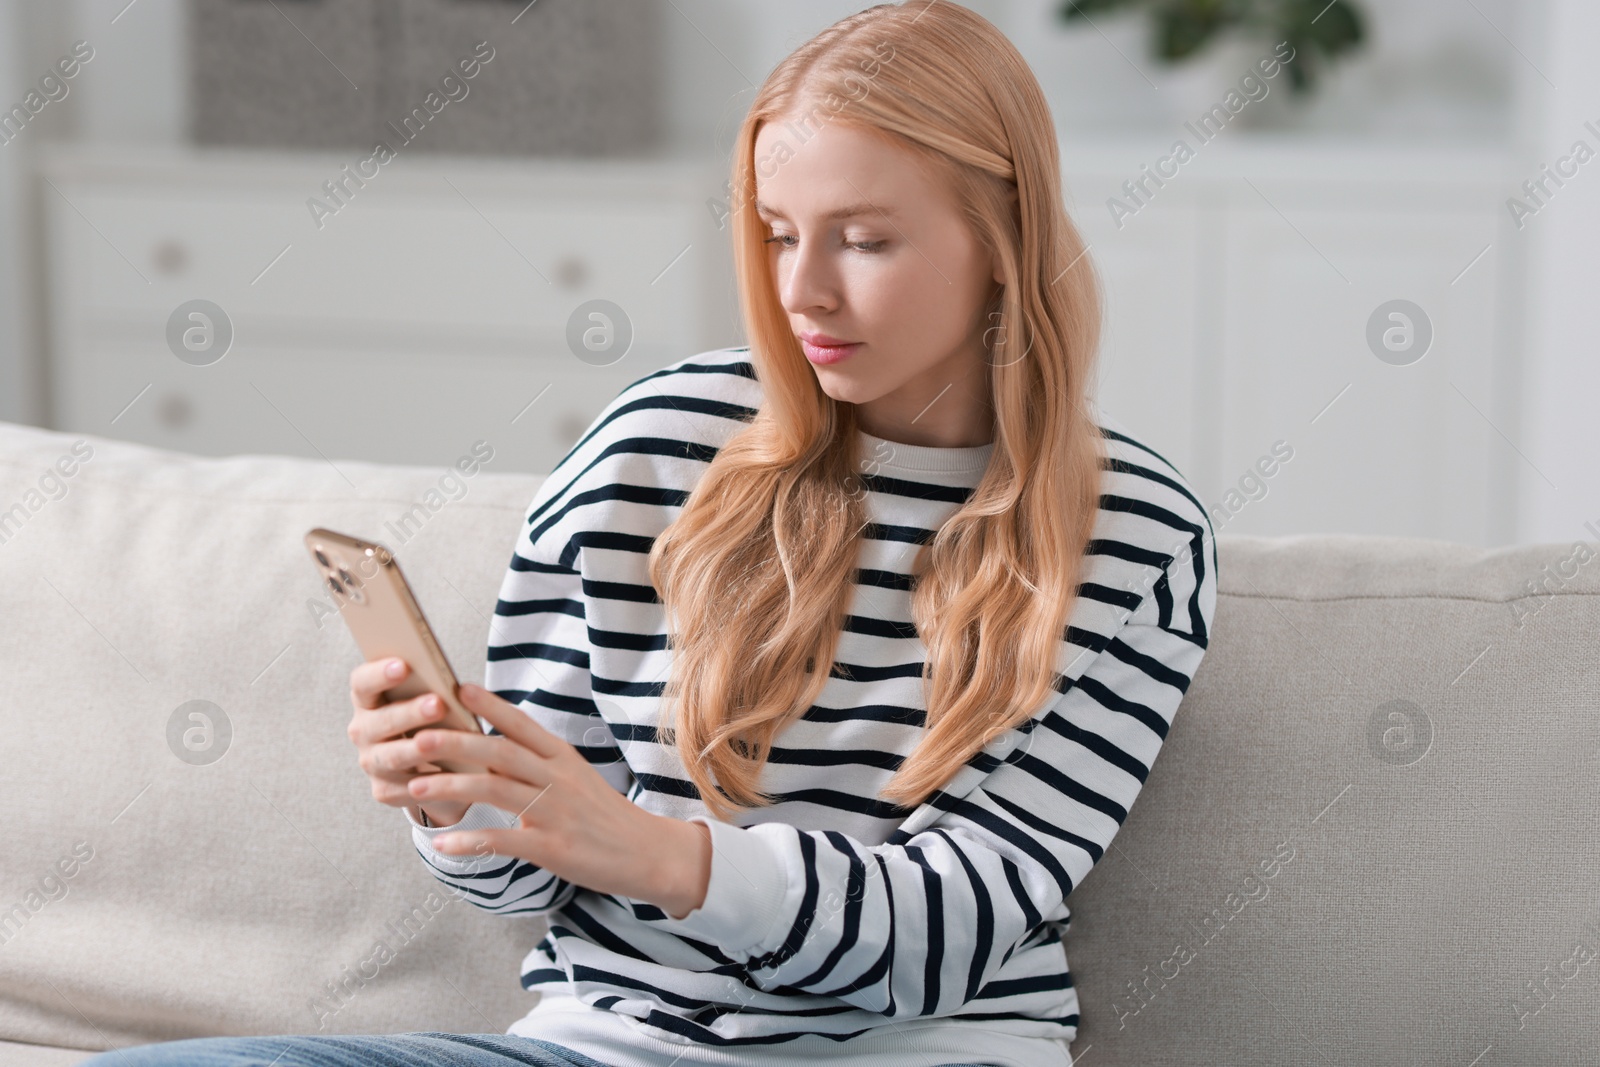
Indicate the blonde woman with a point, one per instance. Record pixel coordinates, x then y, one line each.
825 668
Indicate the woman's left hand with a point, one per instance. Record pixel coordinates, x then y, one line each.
571 822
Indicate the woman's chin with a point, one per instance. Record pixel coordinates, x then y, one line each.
841 387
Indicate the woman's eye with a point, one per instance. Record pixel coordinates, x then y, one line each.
860 246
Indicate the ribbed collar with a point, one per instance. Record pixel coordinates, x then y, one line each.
893 455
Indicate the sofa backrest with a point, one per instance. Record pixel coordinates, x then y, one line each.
247 885
1373 834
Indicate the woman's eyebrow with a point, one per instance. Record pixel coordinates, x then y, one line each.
846 212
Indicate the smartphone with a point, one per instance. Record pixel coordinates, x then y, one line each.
386 620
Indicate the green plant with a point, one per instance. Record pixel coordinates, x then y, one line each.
1317 30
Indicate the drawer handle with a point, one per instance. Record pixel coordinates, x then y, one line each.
175 411
170 257
571 272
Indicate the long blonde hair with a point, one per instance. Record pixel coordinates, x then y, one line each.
757 572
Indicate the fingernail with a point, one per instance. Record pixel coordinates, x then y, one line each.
393 668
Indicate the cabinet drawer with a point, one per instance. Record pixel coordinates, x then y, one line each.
413 408
390 262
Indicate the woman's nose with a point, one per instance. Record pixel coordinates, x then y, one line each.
806 282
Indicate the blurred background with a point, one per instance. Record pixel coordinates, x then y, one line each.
1358 299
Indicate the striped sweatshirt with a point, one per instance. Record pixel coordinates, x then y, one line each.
836 926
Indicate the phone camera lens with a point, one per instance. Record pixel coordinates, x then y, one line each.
334 584
322 559
352 587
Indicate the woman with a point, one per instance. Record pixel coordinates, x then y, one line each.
928 622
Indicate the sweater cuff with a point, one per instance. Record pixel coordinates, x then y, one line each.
479 816
748 899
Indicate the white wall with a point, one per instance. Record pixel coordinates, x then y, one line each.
131 91
1431 67
1561 388
19 400
138 94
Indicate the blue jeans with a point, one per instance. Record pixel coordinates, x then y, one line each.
421 1049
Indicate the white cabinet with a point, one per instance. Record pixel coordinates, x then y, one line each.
435 308
1238 298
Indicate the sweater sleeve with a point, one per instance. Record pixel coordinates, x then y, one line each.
538 660
919 925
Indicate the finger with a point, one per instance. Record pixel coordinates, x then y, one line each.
490 842
393 794
369 681
391 720
510 720
400 776
496 790
394 761
504 756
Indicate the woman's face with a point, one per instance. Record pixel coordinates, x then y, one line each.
867 248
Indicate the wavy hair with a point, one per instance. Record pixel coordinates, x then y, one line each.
757 572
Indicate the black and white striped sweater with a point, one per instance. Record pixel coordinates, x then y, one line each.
836 926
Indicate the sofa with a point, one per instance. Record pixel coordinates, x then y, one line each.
1372 836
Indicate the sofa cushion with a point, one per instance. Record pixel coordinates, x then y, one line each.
148 897
15 1054
1373 833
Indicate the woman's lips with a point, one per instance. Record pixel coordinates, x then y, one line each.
823 354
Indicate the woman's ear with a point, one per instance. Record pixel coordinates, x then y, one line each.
997 297
998 267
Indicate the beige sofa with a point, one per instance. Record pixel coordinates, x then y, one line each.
1373 836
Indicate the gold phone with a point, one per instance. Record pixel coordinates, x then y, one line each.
386 620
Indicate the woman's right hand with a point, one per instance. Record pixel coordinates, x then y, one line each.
389 759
